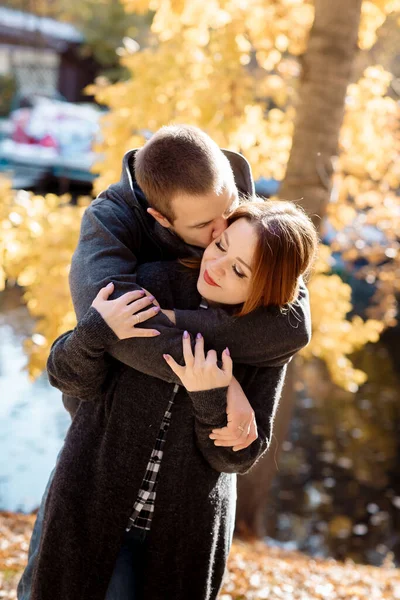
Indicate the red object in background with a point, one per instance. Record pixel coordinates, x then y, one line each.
20 121
48 141
20 136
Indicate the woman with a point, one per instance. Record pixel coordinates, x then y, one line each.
99 488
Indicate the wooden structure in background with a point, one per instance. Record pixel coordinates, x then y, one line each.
43 55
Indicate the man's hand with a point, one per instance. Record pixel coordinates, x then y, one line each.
241 430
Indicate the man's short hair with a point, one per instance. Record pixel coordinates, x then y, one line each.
180 159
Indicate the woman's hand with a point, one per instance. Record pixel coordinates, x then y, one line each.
201 372
241 430
120 314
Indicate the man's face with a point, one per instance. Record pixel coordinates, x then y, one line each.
200 220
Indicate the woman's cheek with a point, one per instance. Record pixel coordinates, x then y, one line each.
241 292
232 294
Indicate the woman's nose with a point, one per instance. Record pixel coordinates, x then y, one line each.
219 266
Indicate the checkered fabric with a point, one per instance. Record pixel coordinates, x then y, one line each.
143 509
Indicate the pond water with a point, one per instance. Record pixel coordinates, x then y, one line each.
33 421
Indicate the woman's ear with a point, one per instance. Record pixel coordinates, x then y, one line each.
159 218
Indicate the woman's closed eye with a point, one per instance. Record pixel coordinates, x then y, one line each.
234 267
237 272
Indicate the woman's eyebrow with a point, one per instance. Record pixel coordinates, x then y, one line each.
245 264
237 258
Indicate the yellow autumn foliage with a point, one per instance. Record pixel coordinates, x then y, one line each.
219 65
334 336
196 70
367 180
38 236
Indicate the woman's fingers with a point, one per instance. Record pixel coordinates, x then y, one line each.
227 365
149 294
243 434
227 433
225 438
105 292
211 358
135 332
232 433
138 305
123 314
232 441
199 358
187 350
135 319
131 296
253 435
177 369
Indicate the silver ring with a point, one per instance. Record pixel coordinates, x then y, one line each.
137 320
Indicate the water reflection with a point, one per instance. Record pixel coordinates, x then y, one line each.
337 490
33 421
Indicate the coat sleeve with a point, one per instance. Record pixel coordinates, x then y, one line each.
107 251
266 337
77 364
263 391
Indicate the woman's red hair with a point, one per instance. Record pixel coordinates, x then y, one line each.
286 248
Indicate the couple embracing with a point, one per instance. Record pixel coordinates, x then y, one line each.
190 302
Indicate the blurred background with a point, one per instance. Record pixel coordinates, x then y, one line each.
309 93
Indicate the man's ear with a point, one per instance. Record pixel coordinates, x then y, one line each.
159 218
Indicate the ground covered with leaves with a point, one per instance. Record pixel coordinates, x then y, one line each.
256 571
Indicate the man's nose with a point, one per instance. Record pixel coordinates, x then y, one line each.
219 226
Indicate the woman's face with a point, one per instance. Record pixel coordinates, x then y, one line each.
226 267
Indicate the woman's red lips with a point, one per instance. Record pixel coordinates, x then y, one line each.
208 279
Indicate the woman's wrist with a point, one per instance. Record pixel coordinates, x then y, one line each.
203 389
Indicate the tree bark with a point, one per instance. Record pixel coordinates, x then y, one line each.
253 488
327 69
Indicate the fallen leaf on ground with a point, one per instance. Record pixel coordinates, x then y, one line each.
255 571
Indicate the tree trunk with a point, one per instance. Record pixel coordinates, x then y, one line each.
327 69
253 488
